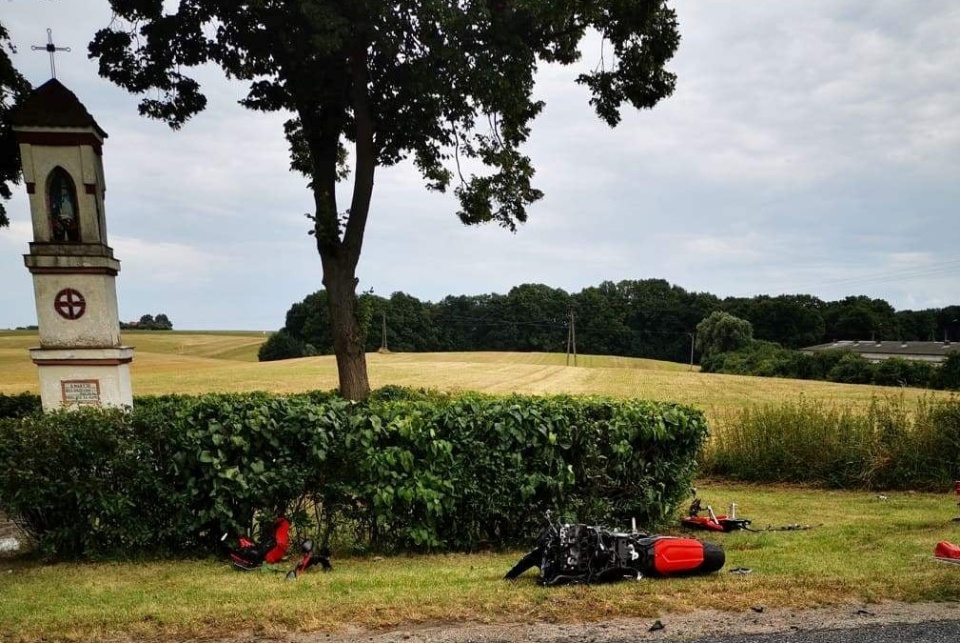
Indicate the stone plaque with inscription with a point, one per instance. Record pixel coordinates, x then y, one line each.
80 392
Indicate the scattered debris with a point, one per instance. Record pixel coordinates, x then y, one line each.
310 559
249 555
8 545
947 552
729 522
713 522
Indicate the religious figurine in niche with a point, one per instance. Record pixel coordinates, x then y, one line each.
64 215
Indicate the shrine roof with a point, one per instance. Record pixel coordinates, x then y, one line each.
53 105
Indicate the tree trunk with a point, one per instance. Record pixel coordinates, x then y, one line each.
348 335
340 254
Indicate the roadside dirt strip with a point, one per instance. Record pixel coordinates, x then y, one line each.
669 627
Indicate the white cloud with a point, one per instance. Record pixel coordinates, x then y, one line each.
17 235
150 262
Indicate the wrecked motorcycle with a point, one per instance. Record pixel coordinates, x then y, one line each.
578 553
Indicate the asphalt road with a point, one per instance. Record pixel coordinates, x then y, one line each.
932 632
888 622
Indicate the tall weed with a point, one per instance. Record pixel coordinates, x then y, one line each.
888 444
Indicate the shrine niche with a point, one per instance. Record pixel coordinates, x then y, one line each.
63 213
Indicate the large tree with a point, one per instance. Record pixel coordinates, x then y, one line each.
440 81
13 88
721 333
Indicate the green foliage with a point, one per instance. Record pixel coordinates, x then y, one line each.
237 455
427 72
13 89
721 333
758 358
765 359
851 369
890 446
281 345
860 318
403 470
19 405
433 81
949 375
83 483
647 318
793 321
149 322
896 371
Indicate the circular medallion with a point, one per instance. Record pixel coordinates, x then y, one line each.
70 304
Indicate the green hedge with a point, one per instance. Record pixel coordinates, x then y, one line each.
19 405
404 470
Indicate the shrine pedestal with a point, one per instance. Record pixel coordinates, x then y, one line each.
76 377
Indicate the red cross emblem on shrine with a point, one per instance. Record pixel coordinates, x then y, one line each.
70 304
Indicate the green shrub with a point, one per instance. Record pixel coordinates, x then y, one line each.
281 345
948 376
19 405
402 470
851 369
81 482
237 455
765 359
897 371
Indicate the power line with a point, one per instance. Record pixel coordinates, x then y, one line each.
933 270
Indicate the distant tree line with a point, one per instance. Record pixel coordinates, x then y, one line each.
648 318
149 322
727 345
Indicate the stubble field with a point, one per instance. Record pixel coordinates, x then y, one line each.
199 362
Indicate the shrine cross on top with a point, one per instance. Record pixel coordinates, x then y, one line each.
52 50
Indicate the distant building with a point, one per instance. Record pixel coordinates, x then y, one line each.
935 352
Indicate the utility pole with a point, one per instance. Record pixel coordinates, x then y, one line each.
693 340
571 337
383 334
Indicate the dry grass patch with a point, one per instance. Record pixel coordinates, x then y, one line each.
226 345
198 362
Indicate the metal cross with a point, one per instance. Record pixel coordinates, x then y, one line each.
51 49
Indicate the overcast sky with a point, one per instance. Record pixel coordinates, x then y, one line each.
811 146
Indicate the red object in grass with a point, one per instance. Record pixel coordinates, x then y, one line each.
282 536
947 550
702 522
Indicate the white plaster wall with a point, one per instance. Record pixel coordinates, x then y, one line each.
82 163
99 326
115 388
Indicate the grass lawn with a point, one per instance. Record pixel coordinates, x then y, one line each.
861 548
